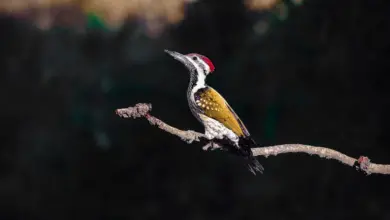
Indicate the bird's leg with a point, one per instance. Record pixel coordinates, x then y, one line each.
211 146
213 143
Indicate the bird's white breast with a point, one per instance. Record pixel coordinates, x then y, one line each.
215 129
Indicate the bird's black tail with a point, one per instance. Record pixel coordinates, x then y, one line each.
254 165
244 150
246 143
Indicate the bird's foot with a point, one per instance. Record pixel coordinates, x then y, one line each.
211 146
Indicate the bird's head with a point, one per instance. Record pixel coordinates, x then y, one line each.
197 64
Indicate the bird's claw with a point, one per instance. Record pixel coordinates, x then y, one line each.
211 146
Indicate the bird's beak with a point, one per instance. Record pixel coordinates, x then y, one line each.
178 56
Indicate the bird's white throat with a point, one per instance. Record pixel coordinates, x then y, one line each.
200 79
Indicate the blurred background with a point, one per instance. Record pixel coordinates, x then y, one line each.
310 72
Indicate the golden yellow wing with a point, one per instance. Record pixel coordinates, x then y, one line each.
213 105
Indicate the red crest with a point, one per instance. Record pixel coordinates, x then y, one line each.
205 59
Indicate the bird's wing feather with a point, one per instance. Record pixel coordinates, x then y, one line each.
213 105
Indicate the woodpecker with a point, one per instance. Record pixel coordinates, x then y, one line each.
223 128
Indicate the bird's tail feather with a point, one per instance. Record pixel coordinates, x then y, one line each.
254 165
244 149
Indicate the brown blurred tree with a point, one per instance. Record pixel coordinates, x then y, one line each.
154 14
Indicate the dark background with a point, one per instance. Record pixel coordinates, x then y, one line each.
317 77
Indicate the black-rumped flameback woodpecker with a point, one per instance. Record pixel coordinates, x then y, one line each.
221 123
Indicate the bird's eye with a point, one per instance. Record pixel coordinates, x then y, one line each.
194 58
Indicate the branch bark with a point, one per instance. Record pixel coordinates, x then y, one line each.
362 163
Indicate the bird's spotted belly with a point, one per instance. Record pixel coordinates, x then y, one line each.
215 129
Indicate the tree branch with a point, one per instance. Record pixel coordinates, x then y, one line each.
362 163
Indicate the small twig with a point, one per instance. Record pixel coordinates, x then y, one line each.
362 164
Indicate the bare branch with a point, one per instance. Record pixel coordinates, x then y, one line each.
142 110
362 163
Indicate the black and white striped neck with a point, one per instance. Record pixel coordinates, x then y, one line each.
197 81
